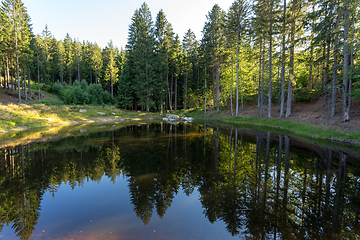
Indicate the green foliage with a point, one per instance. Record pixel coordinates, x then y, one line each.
81 93
304 94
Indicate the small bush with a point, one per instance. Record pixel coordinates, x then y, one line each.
81 93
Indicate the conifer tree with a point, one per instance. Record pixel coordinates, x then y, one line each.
141 56
237 21
111 72
69 56
213 41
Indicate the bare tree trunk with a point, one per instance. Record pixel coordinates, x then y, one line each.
185 91
218 84
262 81
169 92
351 70
25 90
16 52
78 63
29 83
237 73
70 80
175 107
346 107
270 67
282 101
231 88
8 72
259 87
205 89
291 70
334 86
61 70
38 70
311 80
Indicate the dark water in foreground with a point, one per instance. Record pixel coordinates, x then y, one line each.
162 181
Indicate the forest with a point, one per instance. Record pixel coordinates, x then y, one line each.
260 52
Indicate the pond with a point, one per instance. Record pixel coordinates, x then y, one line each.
163 181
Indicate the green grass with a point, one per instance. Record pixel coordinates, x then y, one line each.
307 131
51 111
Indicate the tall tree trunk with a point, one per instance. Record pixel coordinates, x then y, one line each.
260 67
351 70
282 101
237 73
231 88
169 86
78 63
25 90
0 79
61 70
262 80
346 106
16 52
334 86
291 68
205 89
38 73
311 78
70 80
176 91
8 72
185 91
270 66
218 84
29 83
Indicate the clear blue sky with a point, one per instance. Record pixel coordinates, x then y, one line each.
100 21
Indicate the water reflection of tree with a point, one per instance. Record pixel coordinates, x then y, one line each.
27 172
258 185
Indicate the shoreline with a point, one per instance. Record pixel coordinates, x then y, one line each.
16 119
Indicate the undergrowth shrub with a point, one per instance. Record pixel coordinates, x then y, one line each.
81 93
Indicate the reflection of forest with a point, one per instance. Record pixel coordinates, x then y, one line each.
261 187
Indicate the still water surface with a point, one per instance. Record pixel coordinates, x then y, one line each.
162 181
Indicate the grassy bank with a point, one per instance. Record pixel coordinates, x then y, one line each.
51 112
282 126
25 116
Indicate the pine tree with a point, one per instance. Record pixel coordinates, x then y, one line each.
111 72
189 54
164 36
141 56
237 21
213 41
61 56
69 56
